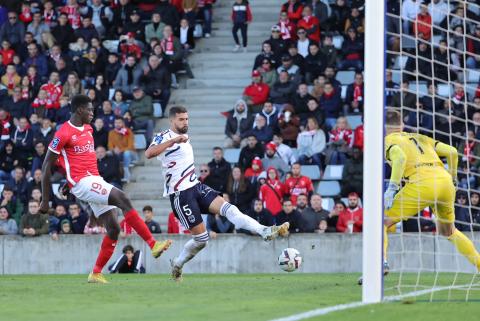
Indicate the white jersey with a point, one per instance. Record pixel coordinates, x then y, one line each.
177 163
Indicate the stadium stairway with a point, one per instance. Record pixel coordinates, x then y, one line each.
220 77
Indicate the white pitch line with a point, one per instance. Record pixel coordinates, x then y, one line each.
346 306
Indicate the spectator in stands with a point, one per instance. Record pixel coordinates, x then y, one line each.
153 226
410 10
241 16
141 110
174 225
421 64
218 224
10 79
355 94
315 62
298 184
330 102
293 70
16 105
329 51
283 90
289 125
8 226
256 94
94 226
253 149
294 10
272 159
473 49
239 189
72 86
37 27
13 204
22 137
33 223
447 121
438 9
330 74
422 25
270 113
260 130
300 100
352 175
391 87
119 106
340 143
302 202
100 133
35 58
310 24
238 125
467 176
297 58
129 262
312 215
128 76
279 46
283 150
108 166
12 30
45 133
172 49
355 20
423 121
340 14
287 27
19 184
351 220
77 218
475 209
267 53
352 51
462 213
404 98
272 192
268 72
291 215
219 170
38 156
106 113
311 144
121 143
155 28
254 171
303 42
260 214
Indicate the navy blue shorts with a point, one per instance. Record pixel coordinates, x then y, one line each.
188 205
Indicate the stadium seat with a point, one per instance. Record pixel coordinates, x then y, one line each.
400 62
295 153
311 171
337 42
140 141
157 110
328 188
354 120
333 172
1 187
231 155
473 75
345 77
55 187
420 90
444 90
343 94
328 203
436 39
408 42
111 92
471 89
396 76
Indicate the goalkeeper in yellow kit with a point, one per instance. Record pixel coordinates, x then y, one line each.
416 158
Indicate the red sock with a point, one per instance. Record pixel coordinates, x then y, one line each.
134 220
106 251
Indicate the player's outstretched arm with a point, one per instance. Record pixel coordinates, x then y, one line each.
50 159
155 150
451 154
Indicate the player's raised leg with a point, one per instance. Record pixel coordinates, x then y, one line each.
110 222
119 199
463 244
242 221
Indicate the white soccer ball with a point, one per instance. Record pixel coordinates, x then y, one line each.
289 260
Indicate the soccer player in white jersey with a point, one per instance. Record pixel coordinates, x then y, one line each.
189 197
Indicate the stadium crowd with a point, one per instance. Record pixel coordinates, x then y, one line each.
303 108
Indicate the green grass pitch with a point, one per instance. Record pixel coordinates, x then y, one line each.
209 298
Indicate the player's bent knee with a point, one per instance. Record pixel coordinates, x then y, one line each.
201 239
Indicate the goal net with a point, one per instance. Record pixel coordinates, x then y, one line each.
432 77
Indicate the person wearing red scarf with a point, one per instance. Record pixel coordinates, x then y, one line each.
288 29
358 137
7 53
41 104
311 24
130 48
256 94
294 9
11 79
6 124
73 13
272 192
54 90
25 15
355 93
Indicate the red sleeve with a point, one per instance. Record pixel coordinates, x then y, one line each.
59 140
341 226
232 16
298 14
309 185
249 14
172 228
470 48
36 103
359 223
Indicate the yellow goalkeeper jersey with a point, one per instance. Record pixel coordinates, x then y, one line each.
422 160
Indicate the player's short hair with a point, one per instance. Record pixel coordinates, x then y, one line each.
147 208
393 117
33 201
128 248
79 101
174 110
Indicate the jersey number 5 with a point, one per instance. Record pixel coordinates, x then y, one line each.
420 150
186 210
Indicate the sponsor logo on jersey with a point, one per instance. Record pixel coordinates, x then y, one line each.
87 148
55 142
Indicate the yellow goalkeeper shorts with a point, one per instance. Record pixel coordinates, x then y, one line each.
437 193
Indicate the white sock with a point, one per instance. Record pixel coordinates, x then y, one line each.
191 248
240 220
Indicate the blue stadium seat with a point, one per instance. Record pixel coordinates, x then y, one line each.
328 188
333 173
157 110
1 187
295 153
140 141
421 89
470 89
231 155
328 203
408 42
396 76
354 120
55 187
311 171
473 75
400 62
337 42
343 94
444 90
345 77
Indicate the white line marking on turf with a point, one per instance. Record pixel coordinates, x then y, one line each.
346 306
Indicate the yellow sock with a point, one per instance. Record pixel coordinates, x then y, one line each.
465 247
385 243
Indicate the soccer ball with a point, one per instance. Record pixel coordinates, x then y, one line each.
289 260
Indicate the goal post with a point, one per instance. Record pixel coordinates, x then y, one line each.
372 257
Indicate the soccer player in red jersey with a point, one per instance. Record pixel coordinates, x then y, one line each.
298 184
72 148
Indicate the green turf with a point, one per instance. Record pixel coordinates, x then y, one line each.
208 298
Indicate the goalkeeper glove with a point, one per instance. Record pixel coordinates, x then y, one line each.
455 183
389 195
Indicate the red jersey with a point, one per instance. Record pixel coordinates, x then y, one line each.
350 215
7 56
174 225
271 194
298 185
73 15
77 152
257 92
54 91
